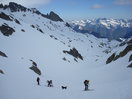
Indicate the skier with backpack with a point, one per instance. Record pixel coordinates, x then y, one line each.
86 83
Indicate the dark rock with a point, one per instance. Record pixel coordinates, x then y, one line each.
122 44
126 42
129 42
40 30
3 54
34 10
56 38
5 16
111 58
75 60
37 28
64 59
106 51
22 30
67 24
54 17
16 21
114 57
6 30
33 63
16 7
1 6
130 65
32 26
74 53
1 71
36 70
24 15
51 36
126 50
130 58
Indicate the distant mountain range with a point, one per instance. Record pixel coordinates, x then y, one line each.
104 28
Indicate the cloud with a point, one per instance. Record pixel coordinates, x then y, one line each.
27 3
123 2
96 6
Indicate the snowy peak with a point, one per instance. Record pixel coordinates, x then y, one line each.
14 7
108 23
53 16
103 27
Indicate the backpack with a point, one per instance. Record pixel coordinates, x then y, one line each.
86 82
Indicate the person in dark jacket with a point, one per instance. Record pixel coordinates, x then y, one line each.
50 84
38 80
86 83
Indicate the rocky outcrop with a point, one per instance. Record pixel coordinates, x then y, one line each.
130 58
3 54
53 16
6 30
37 27
14 7
111 58
130 65
36 70
129 42
67 24
74 53
1 71
5 16
114 57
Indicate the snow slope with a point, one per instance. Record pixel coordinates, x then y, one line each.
111 81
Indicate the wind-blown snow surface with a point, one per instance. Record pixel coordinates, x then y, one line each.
112 81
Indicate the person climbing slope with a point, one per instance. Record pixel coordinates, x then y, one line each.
38 80
86 83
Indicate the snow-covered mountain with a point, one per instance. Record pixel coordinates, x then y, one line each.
36 45
103 27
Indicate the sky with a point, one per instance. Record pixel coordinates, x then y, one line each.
81 9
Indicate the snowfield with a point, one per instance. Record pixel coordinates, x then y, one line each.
111 81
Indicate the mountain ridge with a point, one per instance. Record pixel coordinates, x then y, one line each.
103 27
14 7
